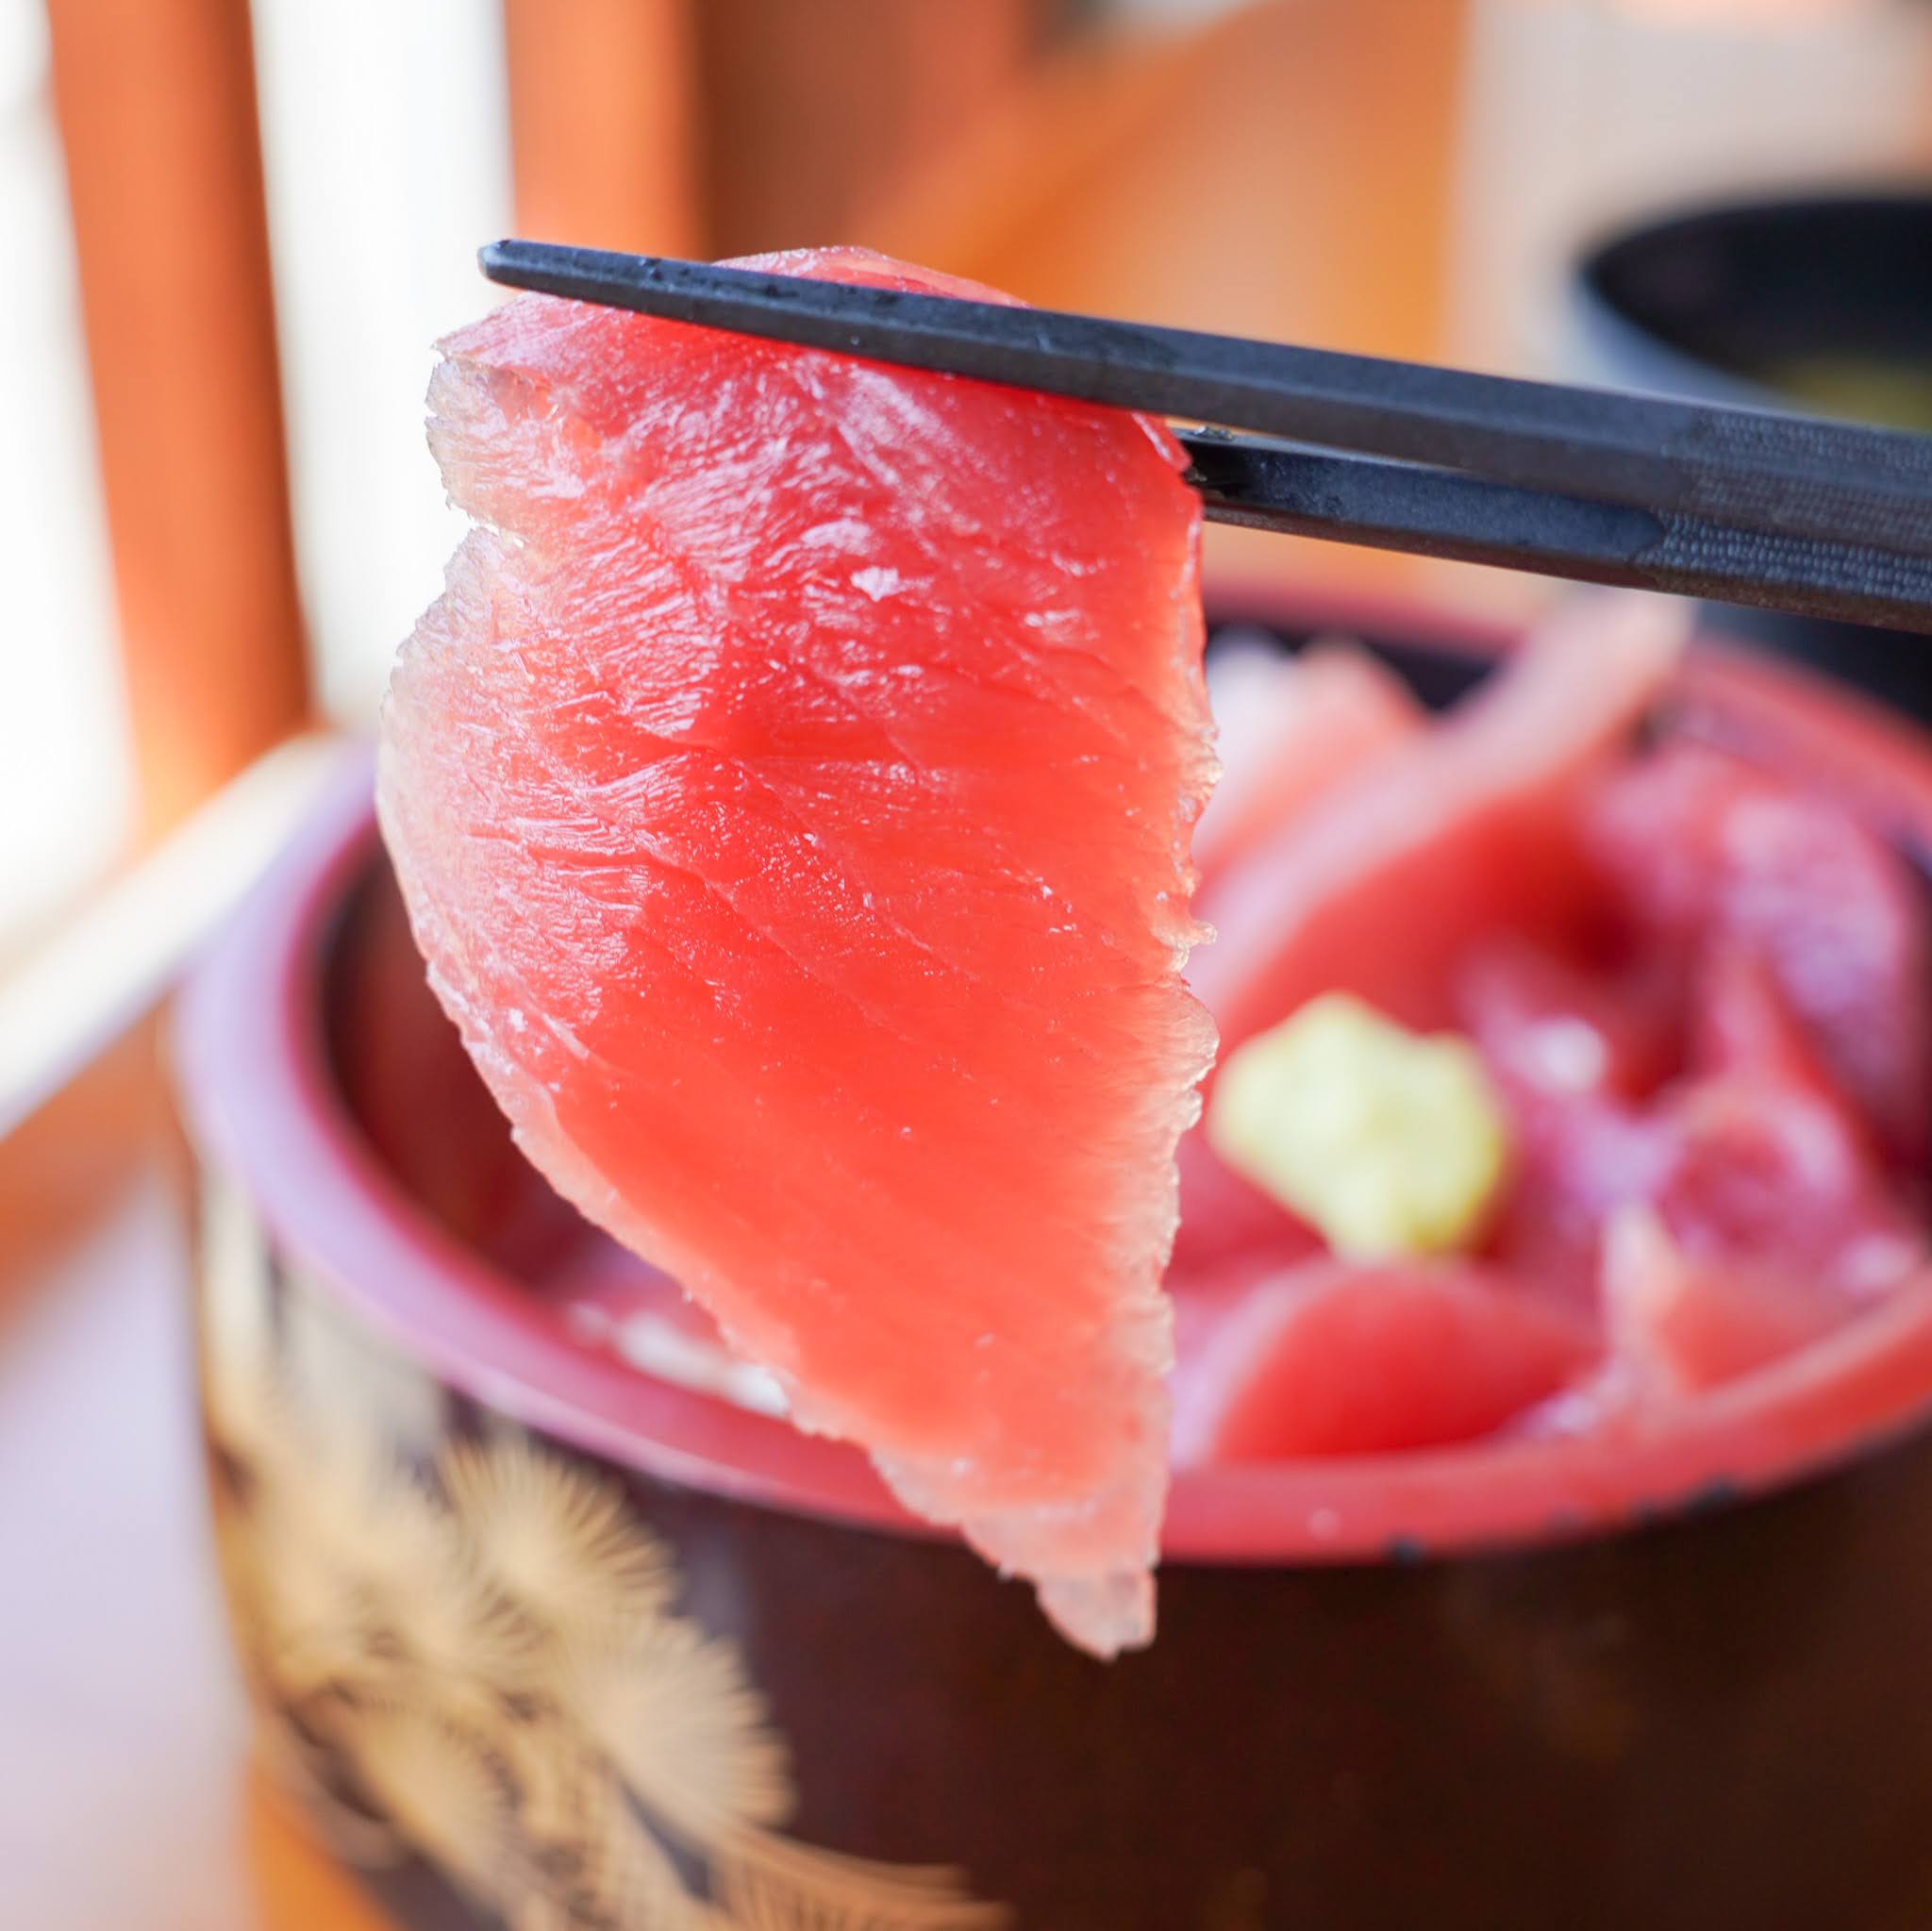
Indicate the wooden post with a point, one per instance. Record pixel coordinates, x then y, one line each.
156 101
602 102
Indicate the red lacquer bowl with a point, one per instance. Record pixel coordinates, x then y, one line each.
539 1637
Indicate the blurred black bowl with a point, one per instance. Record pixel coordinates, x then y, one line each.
1822 303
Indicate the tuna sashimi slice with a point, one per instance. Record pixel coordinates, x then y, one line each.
1291 729
1288 730
1703 849
1576 1051
1556 1028
1225 1216
1383 884
1680 1326
1335 1357
792 793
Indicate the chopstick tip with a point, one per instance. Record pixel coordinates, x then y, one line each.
567 269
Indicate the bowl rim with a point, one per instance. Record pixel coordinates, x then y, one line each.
263 1113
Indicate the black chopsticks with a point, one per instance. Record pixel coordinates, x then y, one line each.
1434 512
1790 512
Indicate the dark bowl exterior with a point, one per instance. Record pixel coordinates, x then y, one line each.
1718 1721
1695 303
520 1670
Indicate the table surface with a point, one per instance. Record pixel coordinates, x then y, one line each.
126 1796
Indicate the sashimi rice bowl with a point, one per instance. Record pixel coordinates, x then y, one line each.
866 1078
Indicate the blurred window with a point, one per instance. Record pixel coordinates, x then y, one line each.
386 155
65 782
